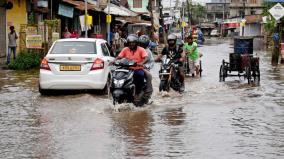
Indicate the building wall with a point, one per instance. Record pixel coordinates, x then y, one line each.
2 32
252 7
17 16
143 9
253 29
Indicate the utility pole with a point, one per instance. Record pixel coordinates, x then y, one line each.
162 21
108 22
86 18
243 17
150 8
189 3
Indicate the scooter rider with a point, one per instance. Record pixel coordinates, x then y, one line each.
175 53
144 42
138 54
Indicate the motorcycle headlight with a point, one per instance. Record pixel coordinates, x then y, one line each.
119 83
164 71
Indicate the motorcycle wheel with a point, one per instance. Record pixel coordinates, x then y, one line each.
164 86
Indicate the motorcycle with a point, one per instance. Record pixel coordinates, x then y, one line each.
169 76
122 88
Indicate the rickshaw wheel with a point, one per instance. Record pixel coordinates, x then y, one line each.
222 73
186 67
256 76
248 74
200 68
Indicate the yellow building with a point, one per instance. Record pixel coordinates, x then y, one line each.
16 16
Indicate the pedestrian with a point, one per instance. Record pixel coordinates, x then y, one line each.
66 33
12 45
74 34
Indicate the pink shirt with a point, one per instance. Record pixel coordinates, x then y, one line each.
138 55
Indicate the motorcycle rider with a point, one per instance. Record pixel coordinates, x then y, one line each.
139 55
175 53
144 42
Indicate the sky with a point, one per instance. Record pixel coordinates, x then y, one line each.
166 3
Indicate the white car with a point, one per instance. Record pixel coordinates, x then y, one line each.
73 64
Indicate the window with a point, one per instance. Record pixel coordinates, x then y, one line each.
105 50
253 1
110 50
137 3
74 47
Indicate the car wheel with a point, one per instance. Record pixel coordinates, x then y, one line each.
106 88
43 91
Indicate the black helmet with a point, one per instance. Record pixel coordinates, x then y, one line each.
144 41
132 38
172 38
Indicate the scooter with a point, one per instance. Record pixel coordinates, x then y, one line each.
122 88
169 76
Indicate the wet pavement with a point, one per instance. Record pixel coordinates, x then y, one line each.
210 120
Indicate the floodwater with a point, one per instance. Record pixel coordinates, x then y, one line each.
231 120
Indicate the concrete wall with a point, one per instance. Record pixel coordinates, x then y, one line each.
139 10
2 32
17 16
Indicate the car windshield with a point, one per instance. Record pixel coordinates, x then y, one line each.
74 47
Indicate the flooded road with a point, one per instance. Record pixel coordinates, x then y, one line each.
210 120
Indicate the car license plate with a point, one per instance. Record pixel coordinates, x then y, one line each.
70 67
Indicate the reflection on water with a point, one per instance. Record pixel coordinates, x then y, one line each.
210 120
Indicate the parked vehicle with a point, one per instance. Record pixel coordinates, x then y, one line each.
134 28
122 88
74 64
169 76
215 33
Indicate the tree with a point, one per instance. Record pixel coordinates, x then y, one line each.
275 28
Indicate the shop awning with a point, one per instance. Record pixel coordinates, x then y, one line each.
80 5
119 11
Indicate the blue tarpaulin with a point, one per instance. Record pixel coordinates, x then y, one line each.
277 1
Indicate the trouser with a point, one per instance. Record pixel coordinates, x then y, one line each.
192 65
139 76
149 87
11 49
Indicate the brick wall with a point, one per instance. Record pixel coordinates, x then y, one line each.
2 32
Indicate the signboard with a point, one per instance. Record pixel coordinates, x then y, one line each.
55 36
33 41
168 20
31 30
65 11
277 11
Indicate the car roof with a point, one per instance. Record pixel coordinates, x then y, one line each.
81 39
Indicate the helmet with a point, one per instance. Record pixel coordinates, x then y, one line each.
132 38
180 42
144 41
172 38
132 41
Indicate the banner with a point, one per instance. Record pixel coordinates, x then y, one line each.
31 30
65 11
34 41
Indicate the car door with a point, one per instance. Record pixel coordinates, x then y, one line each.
106 56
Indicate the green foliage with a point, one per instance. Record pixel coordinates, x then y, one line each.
52 23
270 26
26 60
